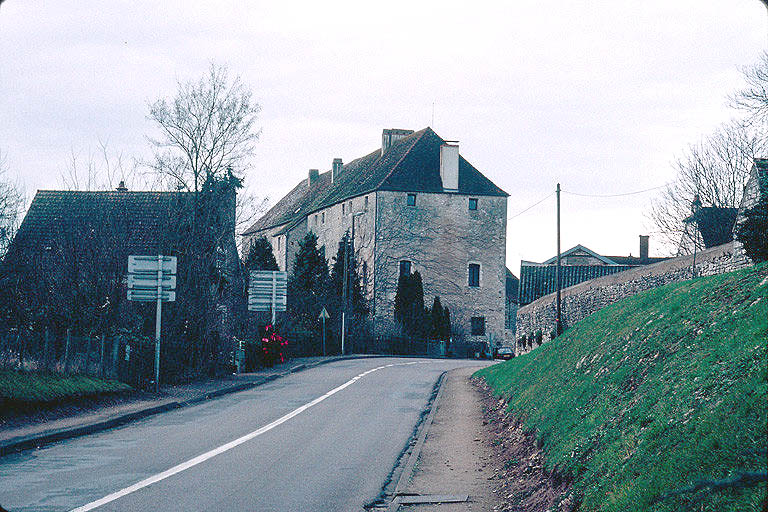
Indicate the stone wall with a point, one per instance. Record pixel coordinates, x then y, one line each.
585 298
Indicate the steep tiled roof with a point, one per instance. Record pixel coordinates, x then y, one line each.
411 164
581 248
635 260
142 220
537 280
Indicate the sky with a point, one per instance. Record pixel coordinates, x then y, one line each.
601 96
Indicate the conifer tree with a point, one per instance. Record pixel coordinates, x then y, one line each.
261 256
307 284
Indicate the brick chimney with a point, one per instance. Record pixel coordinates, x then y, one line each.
449 165
643 248
121 187
314 174
391 135
336 168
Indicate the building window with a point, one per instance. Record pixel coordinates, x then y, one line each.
350 207
478 326
315 219
473 203
405 268
366 203
411 199
343 208
278 244
474 274
322 217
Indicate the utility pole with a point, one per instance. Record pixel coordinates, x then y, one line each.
558 317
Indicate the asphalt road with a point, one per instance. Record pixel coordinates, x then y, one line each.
324 439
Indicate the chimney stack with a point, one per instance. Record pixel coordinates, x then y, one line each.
314 174
336 167
643 248
449 165
121 187
391 135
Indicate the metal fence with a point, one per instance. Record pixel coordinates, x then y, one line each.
67 353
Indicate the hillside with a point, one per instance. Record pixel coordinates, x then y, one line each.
653 394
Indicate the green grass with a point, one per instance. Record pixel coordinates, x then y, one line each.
29 390
654 393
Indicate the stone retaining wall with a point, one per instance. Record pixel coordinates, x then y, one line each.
585 298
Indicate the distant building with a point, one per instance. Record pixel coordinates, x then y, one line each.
578 264
416 205
511 305
757 186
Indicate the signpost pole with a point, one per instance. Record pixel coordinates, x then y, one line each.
274 297
323 336
158 320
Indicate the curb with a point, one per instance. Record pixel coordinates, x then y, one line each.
38 440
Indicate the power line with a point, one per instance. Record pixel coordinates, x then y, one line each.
534 204
618 195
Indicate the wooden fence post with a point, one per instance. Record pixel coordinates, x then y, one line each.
47 348
66 350
101 356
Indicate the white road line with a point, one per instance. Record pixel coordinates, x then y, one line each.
225 447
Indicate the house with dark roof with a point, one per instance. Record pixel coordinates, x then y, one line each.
416 204
71 249
578 264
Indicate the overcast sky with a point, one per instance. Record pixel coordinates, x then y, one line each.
601 95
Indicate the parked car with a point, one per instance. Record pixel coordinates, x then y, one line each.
504 353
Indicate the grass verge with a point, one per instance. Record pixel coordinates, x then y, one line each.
27 391
654 394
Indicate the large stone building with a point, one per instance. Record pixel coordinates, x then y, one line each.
416 205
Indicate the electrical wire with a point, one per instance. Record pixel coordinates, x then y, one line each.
616 195
534 204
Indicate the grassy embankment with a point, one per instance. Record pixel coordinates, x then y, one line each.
27 391
654 393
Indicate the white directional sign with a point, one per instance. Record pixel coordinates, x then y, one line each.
148 264
144 273
149 281
142 295
268 291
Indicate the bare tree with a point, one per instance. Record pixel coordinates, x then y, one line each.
101 170
714 171
753 99
207 129
11 206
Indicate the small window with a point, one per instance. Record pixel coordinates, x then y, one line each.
315 219
478 325
405 268
474 275
411 199
366 203
473 203
350 207
343 208
278 243
322 217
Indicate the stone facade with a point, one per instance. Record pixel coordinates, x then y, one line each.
583 299
441 237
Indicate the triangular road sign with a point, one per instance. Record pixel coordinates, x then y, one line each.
324 315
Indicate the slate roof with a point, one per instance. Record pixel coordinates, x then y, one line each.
141 219
537 280
411 164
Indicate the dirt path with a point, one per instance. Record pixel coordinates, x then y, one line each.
473 448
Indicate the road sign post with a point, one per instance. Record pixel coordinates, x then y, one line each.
153 279
324 316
